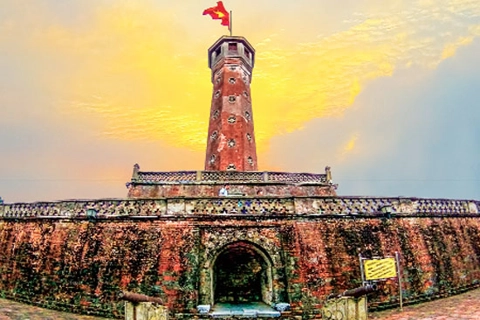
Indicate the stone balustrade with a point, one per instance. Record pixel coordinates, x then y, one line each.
225 177
114 208
165 177
366 205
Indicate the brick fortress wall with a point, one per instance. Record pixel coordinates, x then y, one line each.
77 255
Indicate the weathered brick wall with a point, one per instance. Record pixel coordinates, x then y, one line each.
140 191
439 256
79 265
199 184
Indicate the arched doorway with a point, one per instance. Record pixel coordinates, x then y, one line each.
242 274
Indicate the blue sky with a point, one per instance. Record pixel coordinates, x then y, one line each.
417 135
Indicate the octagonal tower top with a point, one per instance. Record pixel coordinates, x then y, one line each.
231 47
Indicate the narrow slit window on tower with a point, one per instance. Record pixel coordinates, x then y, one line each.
214 135
218 52
218 76
232 47
247 53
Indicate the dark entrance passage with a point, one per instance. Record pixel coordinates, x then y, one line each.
240 275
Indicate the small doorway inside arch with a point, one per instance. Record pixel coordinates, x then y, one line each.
240 274
242 282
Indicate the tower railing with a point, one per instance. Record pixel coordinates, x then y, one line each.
142 177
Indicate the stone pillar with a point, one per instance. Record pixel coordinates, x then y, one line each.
346 308
145 311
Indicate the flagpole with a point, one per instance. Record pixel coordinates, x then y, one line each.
231 23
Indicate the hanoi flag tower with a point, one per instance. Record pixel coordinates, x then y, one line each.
231 138
231 154
273 243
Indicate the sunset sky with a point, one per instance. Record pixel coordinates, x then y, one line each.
387 93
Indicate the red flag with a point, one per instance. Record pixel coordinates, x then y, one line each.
219 13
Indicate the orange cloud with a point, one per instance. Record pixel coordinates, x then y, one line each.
451 48
139 72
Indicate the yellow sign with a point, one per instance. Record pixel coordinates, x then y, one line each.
380 268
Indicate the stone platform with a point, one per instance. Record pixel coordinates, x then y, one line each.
463 306
241 183
243 310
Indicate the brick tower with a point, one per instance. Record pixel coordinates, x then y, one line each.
231 138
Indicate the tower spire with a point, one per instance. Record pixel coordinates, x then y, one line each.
231 138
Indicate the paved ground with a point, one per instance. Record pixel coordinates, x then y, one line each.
10 310
460 307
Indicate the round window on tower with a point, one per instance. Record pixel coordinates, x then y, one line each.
245 94
215 115
231 167
247 115
232 80
212 159
232 99
232 119
231 143
250 161
214 135
217 94
249 137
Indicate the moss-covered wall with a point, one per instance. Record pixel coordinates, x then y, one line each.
80 265
439 256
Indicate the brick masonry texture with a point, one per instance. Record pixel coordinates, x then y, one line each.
231 138
174 190
80 265
201 184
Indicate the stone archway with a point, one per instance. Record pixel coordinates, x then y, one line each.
257 250
242 272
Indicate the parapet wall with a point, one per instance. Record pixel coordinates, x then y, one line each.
246 183
117 208
76 255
